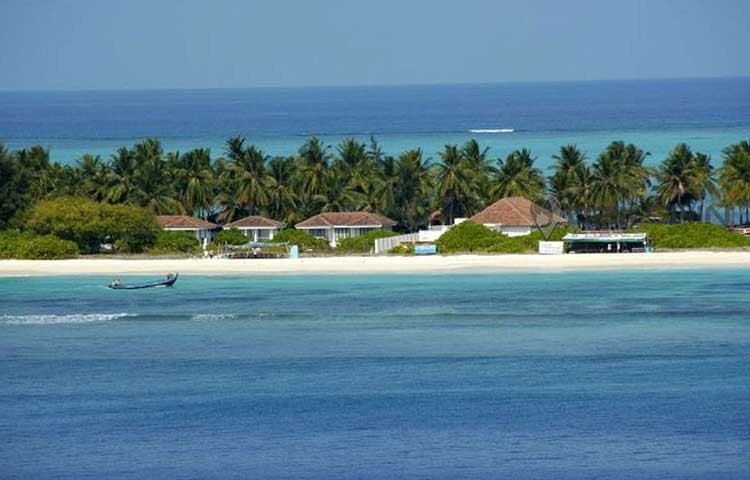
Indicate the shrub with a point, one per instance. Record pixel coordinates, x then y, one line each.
130 228
403 249
47 247
364 243
231 236
304 240
90 224
175 242
9 243
467 237
693 235
29 246
470 237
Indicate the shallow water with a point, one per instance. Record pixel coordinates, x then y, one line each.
642 374
708 114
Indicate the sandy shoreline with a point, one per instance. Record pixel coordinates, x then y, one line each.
386 264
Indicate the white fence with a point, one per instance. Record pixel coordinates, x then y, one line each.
384 245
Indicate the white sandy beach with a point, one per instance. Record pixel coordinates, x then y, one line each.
385 264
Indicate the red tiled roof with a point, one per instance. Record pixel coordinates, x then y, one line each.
183 221
346 219
255 221
510 211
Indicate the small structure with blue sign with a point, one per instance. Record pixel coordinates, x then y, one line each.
425 249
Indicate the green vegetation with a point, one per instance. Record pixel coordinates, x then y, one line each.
231 236
615 190
305 241
175 242
113 201
14 244
90 224
693 235
470 237
364 243
403 249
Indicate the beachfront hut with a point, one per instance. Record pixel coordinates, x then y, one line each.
606 242
204 231
512 216
335 226
257 228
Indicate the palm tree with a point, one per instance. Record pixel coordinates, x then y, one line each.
676 180
313 167
248 176
337 195
455 184
350 154
35 161
383 196
705 181
120 177
620 178
607 186
579 189
639 178
517 176
412 189
374 153
93 172
479 167
568 165
282 197
152 179
734 177
194 180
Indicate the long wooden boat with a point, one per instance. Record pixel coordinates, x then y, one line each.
171 278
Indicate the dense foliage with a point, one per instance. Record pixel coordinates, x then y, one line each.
470 237
693 235
364 243
175 242
305 241
230 236
14 244
91 224
615 190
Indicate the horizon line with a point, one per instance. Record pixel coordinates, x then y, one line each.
375 85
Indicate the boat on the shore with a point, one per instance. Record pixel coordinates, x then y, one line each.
171 278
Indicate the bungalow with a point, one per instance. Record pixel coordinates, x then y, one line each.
257 228
204 231
335 226
511 216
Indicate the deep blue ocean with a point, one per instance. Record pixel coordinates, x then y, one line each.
709 114
592 375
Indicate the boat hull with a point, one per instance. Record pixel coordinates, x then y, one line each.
163 283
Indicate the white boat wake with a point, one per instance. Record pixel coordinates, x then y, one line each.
492 130
58 319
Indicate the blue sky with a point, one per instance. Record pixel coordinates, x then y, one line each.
85 44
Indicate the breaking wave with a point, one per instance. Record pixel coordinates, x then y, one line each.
61 319
205 317
492 130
